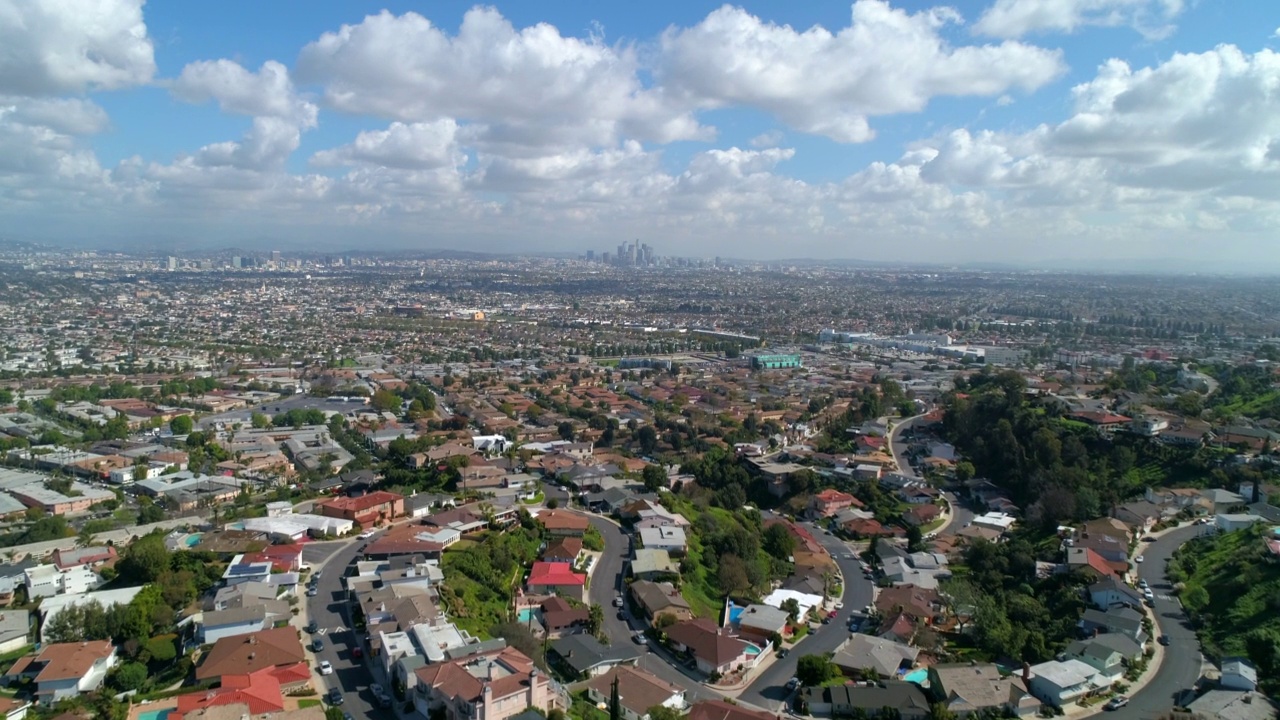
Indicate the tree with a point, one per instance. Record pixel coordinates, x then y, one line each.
648 438
915 539
384 401
778 541
259 421
964 471
732 575
662 712
792 606
595 619
182 425
129 676
655 478
815 669
566 430
149 512
144 560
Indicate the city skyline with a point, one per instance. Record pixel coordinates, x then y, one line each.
1134 133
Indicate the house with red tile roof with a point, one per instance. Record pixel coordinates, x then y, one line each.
278 649
831 501
563 522
921 514
712 649
556 578
365 509
283 558
260 691
487 686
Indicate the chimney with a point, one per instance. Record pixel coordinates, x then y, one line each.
253 639
1026 672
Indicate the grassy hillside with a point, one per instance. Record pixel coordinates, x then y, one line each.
1230 584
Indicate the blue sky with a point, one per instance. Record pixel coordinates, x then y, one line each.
1025 131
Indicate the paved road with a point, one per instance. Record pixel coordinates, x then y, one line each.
329 611
768 691
606 581
1182 658
960 515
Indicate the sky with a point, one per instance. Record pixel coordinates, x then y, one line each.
1045 133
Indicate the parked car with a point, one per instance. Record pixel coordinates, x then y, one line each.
783 653
311 627
832 614
313 591
1116 703
326 668
1138 559
335 696
357 653
617 601
317 645
640 639
380 695
1163 639
793 683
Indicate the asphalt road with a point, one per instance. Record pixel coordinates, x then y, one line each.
960 515
1182 659
768 691
606 582
329 610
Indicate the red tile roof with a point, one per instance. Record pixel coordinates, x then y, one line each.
259 690
364 502
63 661
555 573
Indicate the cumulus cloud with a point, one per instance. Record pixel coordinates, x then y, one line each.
70 116
47 48
409 146
886 61
531 86
1015 18
279 113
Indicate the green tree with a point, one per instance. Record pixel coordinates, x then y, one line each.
182 425
732 574
964 471
595 619
654 477
815 669
144 560
662 712
778 541
149 512
259 421
129 676
915 539
385 401
565 429
647 437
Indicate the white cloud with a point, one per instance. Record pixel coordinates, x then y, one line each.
47 48
408 146
279 113
530 87
886 61
769 139
1015 18
71 116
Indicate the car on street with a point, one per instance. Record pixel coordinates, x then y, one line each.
1143 584
334 696
1163 639
622 616
313 591
317 645
826 621
380 695
640 639
357 653
783 653
793 683
1138 559
326 668
312 627
617 601
832 614
1116 703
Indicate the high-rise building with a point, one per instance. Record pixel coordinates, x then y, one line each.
173 263
237 262
275 256
591 256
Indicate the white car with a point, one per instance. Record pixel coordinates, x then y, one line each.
1138 559
326 668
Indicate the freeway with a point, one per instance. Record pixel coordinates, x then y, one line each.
768 690
329 611
1183 662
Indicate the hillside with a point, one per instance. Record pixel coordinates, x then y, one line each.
1231 588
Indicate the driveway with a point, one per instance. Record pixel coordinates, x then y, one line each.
329 610
1182 659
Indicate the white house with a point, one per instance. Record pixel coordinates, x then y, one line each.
996 521
1110 591
218 624
48 580
65 670
1238 674
669 538
1230 522
1060 682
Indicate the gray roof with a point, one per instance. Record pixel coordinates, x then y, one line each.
650 560
13 624
894 693
763 617
235 616
1233 705
1123 644
867 651
582 652
973 687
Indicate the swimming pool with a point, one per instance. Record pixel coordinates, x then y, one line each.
155 714
525 614
918 677
753 649
192 540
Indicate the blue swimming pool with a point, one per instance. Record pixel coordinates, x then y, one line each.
155 714
525 614
753 649
918 677
192 540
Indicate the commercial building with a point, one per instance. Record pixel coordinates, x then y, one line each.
774 362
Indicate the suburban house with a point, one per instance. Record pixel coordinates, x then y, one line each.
488 686
15 628
367 510
584 656
649 564
1119 619
903 700
1238 674
258 691
560 618
278 649
1109 591
1107 653
658 599
721 710
761 622
861 653
1222 501
829 502
714 651
220 624
563 523
65 670
920 603
556 578
92 557
1087 561
563 550
669 538
1058 683
638 691
239 571
967 689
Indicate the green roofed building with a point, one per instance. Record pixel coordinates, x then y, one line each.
774 362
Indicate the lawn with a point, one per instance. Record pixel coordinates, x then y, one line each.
308 702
